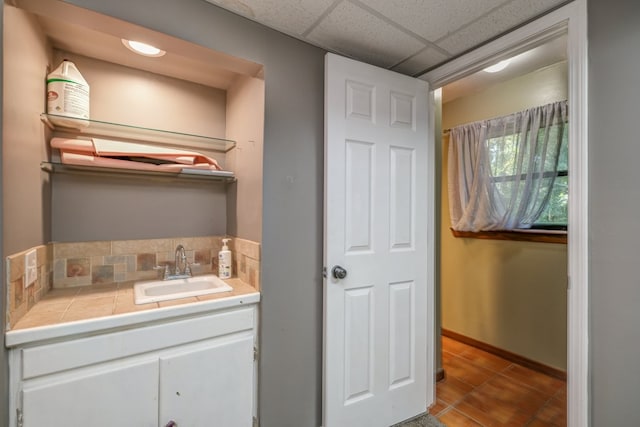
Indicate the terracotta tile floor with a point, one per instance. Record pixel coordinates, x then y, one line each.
481 389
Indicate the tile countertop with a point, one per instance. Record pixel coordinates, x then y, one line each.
87 309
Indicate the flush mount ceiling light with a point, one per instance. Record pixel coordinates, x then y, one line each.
143 48
498 67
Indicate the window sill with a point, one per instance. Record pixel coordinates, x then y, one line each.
542 236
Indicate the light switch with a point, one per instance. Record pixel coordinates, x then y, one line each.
30 268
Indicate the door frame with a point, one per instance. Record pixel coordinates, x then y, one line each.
570 19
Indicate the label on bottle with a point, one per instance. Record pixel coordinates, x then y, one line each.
224 265
66 97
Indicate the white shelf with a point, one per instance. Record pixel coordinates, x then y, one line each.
224 177
136 133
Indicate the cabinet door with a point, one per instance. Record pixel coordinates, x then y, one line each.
123 395
210 384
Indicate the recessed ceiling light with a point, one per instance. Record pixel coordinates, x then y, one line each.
498 67
143 48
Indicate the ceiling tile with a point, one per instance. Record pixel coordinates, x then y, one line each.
432 19
291 17
509 16
352 31
421 61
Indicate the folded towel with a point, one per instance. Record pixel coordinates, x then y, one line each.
107 162
134 153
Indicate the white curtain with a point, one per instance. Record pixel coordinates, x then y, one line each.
501 171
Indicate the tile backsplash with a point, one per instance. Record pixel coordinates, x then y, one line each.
66 265
20 299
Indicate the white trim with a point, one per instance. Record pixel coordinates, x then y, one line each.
517 41
578 231
431 247
571 18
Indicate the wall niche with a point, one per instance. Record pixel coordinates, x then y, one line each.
190 90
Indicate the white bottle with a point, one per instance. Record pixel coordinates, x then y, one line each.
68 96
224 261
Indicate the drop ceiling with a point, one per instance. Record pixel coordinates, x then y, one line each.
408 36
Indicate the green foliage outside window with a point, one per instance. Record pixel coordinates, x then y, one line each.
503 152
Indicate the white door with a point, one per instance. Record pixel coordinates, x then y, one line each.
378 337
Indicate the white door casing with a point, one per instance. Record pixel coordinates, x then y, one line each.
378 320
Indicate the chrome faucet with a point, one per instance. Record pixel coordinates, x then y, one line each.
182 269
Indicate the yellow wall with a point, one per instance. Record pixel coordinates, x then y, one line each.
511 295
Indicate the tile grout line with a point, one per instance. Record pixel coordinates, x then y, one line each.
453 405
495 374
115 299
535 415
71 300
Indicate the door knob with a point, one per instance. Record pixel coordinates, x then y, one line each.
338 272
171 424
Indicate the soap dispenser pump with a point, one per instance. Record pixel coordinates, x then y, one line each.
224 261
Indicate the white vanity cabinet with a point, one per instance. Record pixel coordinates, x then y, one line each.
195 371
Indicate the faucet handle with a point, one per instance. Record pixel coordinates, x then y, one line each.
165 269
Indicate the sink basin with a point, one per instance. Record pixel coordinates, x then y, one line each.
163 290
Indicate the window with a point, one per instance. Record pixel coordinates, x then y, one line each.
554 212
510 173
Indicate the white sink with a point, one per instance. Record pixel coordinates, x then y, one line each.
163 290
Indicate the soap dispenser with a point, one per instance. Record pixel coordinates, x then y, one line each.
224 261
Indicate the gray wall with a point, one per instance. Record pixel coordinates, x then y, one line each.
614 235
121 208
291 320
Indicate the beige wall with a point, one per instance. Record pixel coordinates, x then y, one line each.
127 95
538 88
511 295
26 191
245 125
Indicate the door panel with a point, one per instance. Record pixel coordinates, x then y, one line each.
402 209
401 336
360 101
359 196
358 344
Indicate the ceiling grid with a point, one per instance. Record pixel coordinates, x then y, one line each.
406 36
